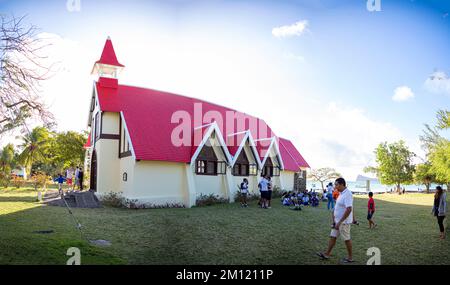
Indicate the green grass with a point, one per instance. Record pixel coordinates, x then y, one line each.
221 234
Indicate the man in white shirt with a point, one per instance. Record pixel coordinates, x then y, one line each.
342 220
264 189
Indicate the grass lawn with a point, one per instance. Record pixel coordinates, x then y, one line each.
221 234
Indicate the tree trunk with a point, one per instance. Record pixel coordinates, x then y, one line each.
398 189
428 187
321 183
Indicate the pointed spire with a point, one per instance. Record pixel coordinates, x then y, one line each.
108 55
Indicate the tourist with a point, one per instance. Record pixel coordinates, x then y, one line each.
60 180
244 192
69 177
263 186
330 204
440 209
269 192
342 220
335 195
77 174
371 211
80 178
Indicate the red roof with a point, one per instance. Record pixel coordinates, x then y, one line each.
148 114
88 142
292 158
109 55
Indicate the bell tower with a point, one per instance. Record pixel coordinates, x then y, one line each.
107 68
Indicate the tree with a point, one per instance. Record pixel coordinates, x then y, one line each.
7 163
440 162
34 147
424 175
68 148
323 174
394 164
443 117
438 148
21 72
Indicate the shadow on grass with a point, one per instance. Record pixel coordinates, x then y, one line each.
221 234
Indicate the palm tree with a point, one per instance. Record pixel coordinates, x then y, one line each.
7 158
34 147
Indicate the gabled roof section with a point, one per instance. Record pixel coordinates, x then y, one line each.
211 129
109 55
266 151
235 150
291 156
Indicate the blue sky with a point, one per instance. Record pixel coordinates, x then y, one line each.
329 88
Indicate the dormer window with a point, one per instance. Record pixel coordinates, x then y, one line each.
208 164
269 169
242 165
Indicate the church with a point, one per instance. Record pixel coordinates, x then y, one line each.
162 148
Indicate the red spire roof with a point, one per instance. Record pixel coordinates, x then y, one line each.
88 142
108 55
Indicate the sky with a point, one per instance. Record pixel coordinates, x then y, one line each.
335 77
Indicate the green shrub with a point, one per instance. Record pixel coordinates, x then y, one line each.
251 196
277 192
208 200
116 200
113 199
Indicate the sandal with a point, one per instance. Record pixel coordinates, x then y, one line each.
346 260
322 256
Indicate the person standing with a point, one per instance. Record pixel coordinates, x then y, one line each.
342 220
440 209
264 189
330 204
269 192
371 211
80 178
244 192
69 177
77 174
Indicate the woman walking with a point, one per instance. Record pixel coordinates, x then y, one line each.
440 209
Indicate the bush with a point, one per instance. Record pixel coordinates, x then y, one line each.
251 196
277 192
116 200
39 181
4 180
208 200
113 199
18 181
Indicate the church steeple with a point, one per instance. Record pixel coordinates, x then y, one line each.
107 66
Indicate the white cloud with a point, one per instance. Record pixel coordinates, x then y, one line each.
438 82
294 57
402 93
334 135
295 29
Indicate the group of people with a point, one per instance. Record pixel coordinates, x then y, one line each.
298 198
73 179
265 187
343 217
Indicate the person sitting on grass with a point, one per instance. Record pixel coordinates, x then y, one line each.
244 192
371 211
306 199
60 180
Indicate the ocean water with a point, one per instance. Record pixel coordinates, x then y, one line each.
375 187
